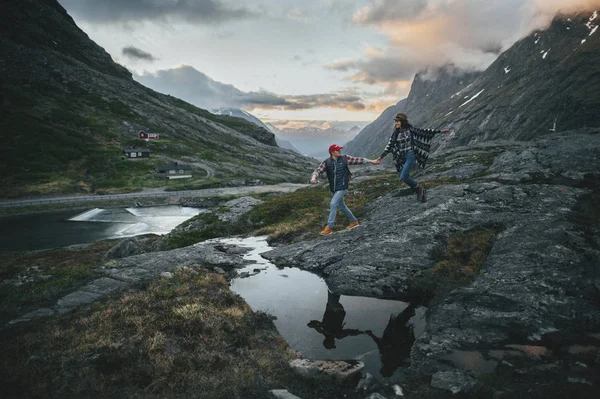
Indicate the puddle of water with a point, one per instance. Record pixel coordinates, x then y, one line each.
472 361
531 350
583 349
322 325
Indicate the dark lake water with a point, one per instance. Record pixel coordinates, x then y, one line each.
323 325
62 228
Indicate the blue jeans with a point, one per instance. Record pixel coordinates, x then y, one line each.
405 173
337 201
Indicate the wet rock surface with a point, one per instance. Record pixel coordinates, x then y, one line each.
539 282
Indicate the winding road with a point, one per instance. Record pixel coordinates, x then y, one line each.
208 192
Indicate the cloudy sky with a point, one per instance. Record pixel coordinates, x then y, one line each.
305 59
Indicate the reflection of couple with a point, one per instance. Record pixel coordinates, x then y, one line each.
396 341
394 345
332 326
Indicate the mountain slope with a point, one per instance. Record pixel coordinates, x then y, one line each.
425 93
547 76
68 110
551 74
239 113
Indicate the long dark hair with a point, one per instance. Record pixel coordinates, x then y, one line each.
405 124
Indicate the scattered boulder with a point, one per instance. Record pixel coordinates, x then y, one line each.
237 207
124 248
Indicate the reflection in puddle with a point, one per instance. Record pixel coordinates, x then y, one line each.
322 325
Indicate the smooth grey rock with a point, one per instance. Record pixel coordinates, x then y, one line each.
283 394
375 396
124 248
336 368
238 207
75 299
168 275
453 381
44 312
104 285
148 266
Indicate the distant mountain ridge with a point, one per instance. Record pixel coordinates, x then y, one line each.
550 75
240 113
313 141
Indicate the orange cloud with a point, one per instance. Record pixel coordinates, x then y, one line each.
381 105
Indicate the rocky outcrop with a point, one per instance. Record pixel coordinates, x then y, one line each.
125 248
138 269
539 281
236 208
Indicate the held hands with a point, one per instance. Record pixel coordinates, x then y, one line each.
374 161
313 180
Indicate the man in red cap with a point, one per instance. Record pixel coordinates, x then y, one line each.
338 174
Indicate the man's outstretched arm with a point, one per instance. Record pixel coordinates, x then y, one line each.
318 172
350 160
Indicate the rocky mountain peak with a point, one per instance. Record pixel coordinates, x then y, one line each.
550 75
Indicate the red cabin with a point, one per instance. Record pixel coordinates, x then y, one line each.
150 135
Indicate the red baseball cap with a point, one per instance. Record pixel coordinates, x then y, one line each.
334 147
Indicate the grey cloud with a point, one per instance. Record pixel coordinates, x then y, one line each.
387 69
197 88
137 54
390 10
342 65
423 33
197 11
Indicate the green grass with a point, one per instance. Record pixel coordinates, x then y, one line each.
188 336
459 266
68 268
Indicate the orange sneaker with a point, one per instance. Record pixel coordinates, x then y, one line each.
326 231
352 225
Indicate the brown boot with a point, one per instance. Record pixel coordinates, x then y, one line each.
352 225
420 193
326 231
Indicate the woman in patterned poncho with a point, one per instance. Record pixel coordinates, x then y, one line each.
410 145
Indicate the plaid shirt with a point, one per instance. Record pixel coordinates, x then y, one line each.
399 146
350 160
